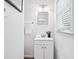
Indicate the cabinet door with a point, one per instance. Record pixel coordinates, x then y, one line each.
49 52
38 51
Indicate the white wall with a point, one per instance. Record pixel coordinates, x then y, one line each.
14 33
31 9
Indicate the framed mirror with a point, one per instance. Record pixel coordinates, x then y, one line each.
17 4
42 18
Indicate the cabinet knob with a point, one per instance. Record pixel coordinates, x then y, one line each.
45 46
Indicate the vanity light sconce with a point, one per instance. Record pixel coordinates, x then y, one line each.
43 5
43 8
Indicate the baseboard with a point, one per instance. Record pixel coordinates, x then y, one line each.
27 56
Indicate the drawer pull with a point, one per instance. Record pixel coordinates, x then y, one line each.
42 47
45 47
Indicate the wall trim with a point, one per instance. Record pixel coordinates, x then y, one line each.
28 56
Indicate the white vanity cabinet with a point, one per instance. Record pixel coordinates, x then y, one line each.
43 49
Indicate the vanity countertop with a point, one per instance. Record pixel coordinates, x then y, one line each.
43 39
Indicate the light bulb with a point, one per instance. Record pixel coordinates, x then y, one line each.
43 8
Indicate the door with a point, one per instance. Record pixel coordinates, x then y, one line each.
49 52
38 52
13 33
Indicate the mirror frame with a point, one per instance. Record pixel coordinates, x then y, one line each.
15 6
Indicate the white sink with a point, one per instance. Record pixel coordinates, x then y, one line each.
43 39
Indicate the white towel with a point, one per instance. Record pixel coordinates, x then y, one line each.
28 28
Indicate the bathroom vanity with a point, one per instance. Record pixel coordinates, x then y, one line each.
43 48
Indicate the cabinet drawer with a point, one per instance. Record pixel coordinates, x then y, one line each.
43 42
37 42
